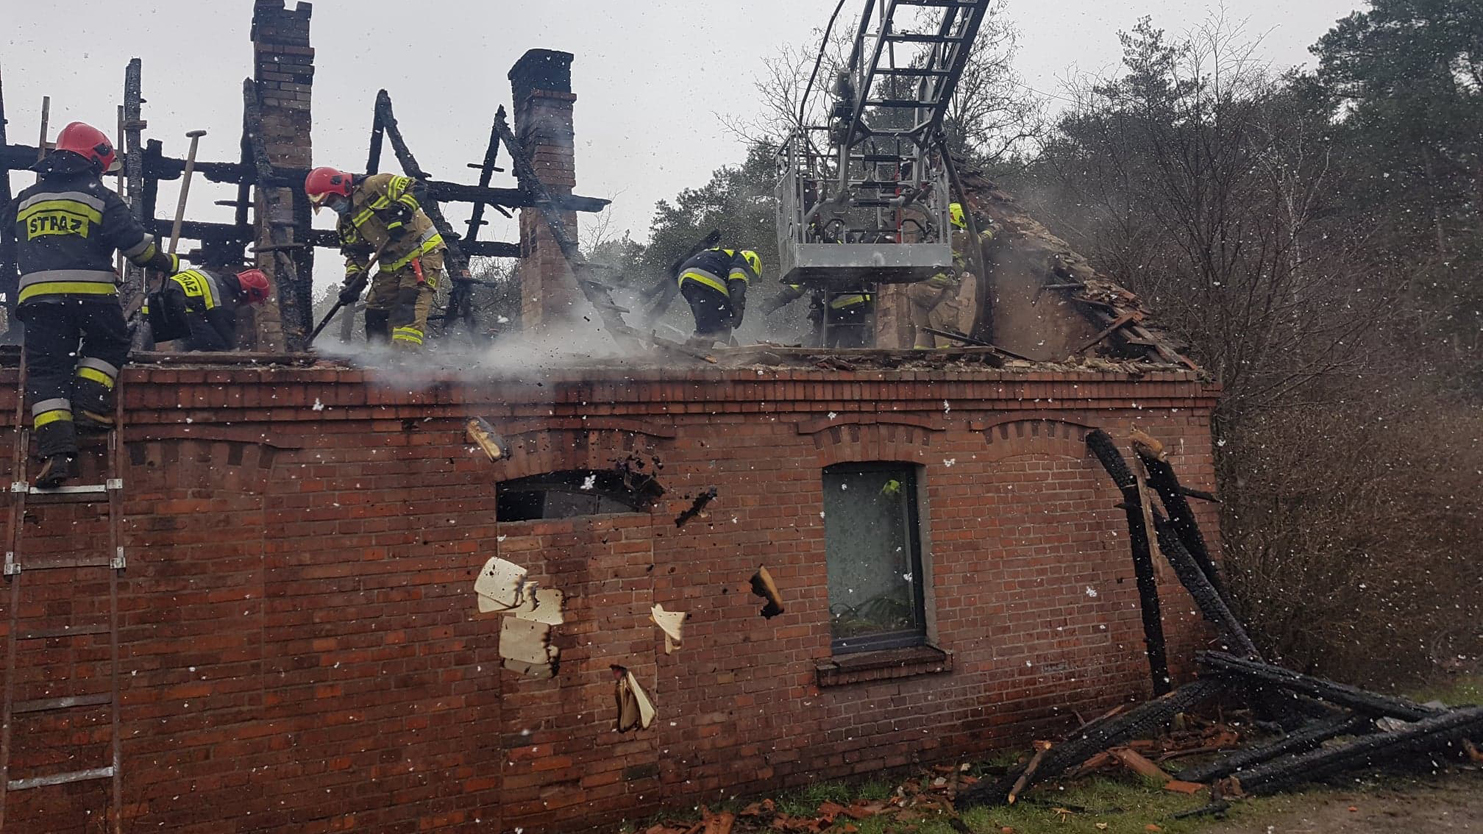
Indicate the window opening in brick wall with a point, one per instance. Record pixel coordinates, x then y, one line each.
873 546
567 494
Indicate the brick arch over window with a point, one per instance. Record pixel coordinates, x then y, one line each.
535 448
1037 435
902 439
227 459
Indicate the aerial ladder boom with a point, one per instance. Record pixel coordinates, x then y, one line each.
863 198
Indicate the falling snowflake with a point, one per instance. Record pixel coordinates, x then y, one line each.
949 461
947 407
590 482
318 406
1091 592
831 415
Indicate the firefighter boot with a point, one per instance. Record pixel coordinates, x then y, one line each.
57 469
378 326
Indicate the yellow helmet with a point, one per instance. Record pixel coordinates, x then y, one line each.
956 217
753 261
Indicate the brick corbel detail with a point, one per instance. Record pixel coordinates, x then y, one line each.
538 452
1018 436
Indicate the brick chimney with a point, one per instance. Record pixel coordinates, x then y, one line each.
283 67
542 85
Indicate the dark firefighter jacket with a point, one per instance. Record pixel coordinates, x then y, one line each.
207 304
385 217
67 227
723 270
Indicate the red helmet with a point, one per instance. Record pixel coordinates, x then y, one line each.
254 285
322 182
89 142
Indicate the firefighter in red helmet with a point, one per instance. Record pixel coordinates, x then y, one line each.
66 228
380 218
200 305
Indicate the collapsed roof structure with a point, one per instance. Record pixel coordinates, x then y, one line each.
283 628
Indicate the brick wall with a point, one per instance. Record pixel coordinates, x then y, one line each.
541 84
300 647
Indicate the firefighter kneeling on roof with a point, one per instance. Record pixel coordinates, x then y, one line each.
381 221
714 283
66 228
199 306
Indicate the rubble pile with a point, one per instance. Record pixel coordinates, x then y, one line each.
1322 727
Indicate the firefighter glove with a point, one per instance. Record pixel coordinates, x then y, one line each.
351 293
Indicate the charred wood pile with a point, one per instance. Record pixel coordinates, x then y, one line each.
1323 727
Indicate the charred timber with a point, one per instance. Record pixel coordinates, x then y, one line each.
1194 580
203 231
1162 478
1429 735
1146 718
1351 697
1101 445
22 157
1299 741
456 262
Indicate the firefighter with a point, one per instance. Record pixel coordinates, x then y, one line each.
848 314
203 302
381 220
66 228
933 301
714 282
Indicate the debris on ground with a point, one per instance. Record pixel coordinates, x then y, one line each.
1314 714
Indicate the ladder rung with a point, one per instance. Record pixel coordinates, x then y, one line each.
966 4
65 631
916 37
877 157
65 702
63 562
913 72
901 102
60 778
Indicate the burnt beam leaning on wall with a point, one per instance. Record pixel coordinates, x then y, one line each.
1210 603
1102 446
278 220
1162 478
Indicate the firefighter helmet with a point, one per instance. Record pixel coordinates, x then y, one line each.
956 217
90 143
322 183
254 285
753 261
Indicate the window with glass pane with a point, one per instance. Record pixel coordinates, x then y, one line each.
875 564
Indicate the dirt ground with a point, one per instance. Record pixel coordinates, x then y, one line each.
1452 803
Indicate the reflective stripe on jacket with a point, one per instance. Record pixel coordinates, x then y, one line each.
385 217
716 268
66 228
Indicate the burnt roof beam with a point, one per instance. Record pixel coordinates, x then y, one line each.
22 157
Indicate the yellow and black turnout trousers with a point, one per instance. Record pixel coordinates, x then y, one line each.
66 228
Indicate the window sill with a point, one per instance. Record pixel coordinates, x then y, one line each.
888 664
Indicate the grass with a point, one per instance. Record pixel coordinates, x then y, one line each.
1464 689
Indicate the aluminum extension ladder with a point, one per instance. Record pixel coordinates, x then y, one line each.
18 564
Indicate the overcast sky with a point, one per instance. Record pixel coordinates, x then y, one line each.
651 77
